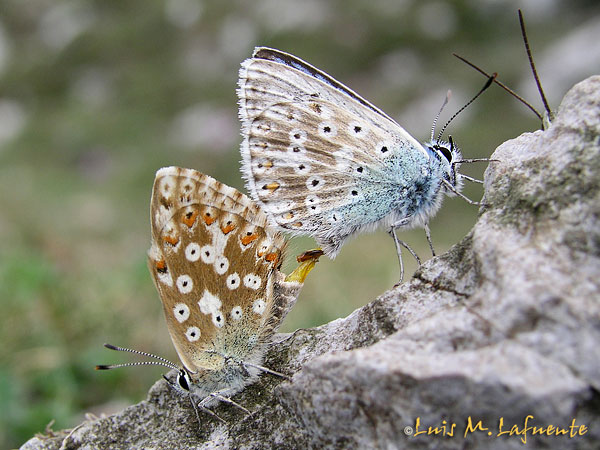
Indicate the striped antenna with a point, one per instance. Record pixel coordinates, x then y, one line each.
485 86
161 361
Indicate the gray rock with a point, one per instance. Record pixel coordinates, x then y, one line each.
504 325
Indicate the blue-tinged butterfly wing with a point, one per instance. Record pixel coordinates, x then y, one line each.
318 158
214 262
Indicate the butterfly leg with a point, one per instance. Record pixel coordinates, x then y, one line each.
400 224
465 198
429 241
398 251
244 365
266 370
219 395
473 160
399 244
411 251
204 409
467 177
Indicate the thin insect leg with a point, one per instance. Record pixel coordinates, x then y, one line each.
467 177
474 160
196 411
399 244
245 364
207 411
399 224
398 251
227 400
411 251
429 241
465 198
266 369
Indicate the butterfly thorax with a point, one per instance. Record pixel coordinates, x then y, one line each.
421 199
408 188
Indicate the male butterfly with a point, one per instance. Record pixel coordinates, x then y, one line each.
322 161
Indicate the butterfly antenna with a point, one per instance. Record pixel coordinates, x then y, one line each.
502 85
437 116
140 363
532 64
161 361
487 84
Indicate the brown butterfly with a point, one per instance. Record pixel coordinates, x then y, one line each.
215 264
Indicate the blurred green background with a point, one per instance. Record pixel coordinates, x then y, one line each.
95 96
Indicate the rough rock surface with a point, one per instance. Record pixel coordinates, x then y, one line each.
504 325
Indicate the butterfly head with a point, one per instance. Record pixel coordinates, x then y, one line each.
449 157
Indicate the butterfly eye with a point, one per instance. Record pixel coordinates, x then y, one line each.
182 381
444 151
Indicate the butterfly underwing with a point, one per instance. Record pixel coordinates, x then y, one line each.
322 161
215 263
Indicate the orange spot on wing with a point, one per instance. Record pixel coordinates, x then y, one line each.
272 257
271 186
226 228
249 238
161 266
265 165
208 218
189 218
173 240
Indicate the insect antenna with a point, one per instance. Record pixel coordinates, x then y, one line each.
532 64
161 361
502 85
533 69
486 85
437 116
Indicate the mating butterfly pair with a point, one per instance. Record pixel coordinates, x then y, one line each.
317 159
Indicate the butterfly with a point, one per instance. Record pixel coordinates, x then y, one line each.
215 263
322 161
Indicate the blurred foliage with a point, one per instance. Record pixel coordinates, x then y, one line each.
95 96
